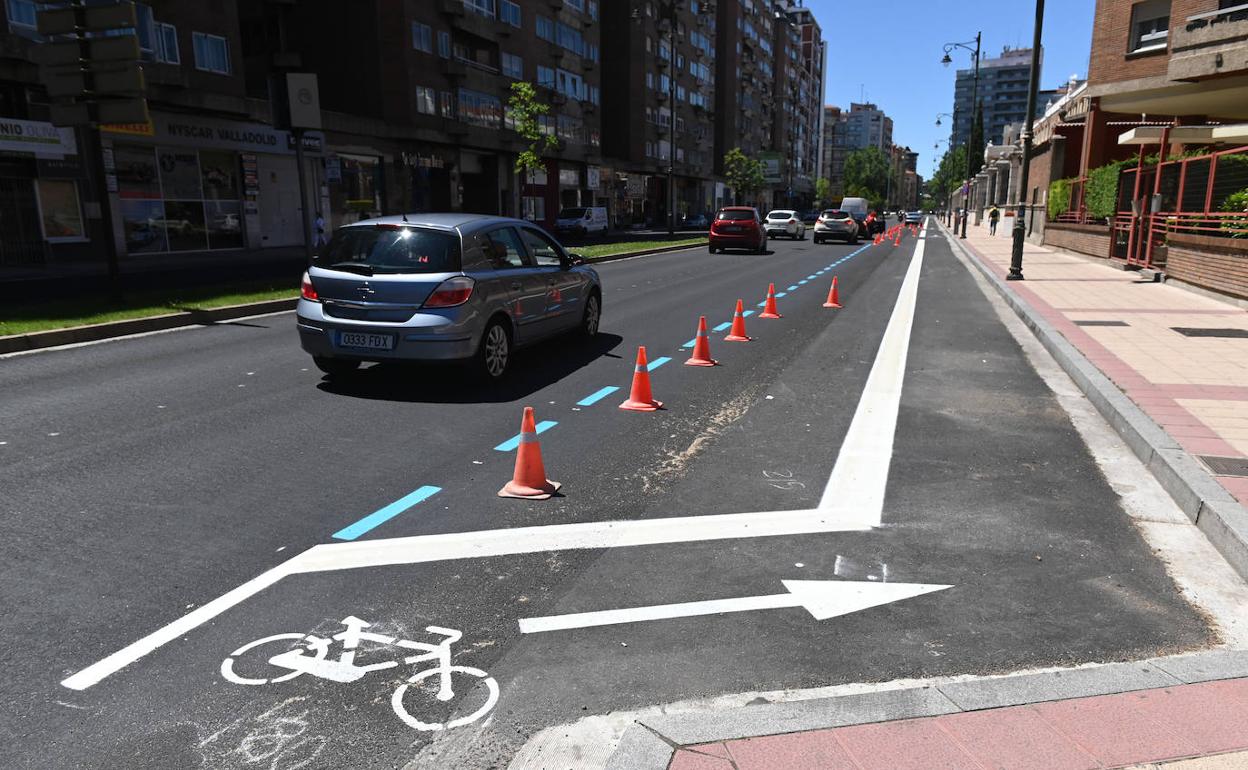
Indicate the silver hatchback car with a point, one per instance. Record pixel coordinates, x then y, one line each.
439 288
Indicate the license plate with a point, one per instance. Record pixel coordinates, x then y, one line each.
732 229
366 340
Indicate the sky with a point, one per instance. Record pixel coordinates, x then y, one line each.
891 51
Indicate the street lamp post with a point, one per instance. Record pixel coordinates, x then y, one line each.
1020 226
966 207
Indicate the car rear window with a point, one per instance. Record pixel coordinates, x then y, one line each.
780 215
390 249
836 215
735 216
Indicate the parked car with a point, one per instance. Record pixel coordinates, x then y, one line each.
698 221
737 227
914 218
442 288
589 220
835 224
785 222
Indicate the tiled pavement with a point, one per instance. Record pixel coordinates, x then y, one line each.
1208 721
1195 387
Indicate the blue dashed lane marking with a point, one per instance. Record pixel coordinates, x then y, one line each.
690 343
763 303
656 363
792 288
723 326
781 294
747 314
804 281
513 442
599 395
383 515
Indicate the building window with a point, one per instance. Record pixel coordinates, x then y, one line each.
212 53
534 206
167 44
483 7
510 13
422 37
546 29
577 4
444 44
1150 25
22 13
59 210
545 76
513 66
447 105
426 102
478 109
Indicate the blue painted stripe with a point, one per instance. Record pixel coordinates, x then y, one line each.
599 395
381 516
804 281
724 325
656 363
510 444
763 303
810 277
690 343
747 314
781 294
791 288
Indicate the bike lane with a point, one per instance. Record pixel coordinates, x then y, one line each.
1006 607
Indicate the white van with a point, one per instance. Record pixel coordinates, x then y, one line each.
582 221
858 208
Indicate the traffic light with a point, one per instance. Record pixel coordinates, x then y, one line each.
90 62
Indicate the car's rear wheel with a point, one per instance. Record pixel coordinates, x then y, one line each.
335 367
592 316
494 352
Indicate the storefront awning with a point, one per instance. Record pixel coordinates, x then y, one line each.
1146 135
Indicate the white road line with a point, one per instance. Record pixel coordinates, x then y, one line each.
852 501
823 599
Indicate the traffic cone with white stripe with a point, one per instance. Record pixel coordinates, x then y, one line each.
701 348
770 311
529 479
640 399
737 332
834 299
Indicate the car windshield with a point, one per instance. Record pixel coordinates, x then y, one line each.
572 213
780 215
390 249
836 214
735 215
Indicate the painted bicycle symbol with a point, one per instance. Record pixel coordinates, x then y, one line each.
311 656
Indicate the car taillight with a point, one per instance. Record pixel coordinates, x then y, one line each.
308 291
792 221
451 292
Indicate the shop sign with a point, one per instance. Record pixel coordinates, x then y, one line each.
593 177
213 134
35 137
771 166
636 186
569 177
60 168
251 175
130 129
333 169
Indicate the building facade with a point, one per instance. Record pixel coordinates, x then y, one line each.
1002 93
834 149
797 135
866 125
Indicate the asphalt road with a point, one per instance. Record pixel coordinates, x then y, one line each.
143 478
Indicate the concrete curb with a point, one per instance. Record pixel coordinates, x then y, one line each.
650 744
35 340
1214 510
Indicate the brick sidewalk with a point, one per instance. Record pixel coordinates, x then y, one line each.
1195 387
1132 729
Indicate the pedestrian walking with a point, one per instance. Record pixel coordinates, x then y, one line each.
994 216
319 224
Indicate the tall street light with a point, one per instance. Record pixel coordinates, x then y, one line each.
945 60
1020 226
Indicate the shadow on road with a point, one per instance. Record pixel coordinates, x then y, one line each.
532 369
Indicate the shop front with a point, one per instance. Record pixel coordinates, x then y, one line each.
42 180
185 183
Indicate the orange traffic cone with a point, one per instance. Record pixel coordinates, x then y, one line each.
529 479
640 399
701 348
834 299
737 332
770 310
897 240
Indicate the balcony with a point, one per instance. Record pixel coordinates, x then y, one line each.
464 18
1210 44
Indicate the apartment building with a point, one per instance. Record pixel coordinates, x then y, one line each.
834 148
208 172
745 70
1001 92
659 105
798 87
866 125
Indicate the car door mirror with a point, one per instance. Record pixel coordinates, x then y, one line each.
576 260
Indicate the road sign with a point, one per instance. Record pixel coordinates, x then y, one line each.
823 599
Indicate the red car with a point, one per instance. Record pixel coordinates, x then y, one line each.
738 227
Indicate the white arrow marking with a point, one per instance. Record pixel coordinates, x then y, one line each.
853 500
822 598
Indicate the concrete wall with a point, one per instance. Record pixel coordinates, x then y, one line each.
1218 264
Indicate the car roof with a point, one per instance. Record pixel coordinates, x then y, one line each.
465 223
737 208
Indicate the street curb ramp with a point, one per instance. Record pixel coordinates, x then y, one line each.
1217 514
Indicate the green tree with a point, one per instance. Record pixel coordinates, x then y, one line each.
823 191
949 175
866 174
744 174
525 112
977 139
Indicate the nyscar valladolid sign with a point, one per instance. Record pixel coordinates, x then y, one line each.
36 137
211 134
